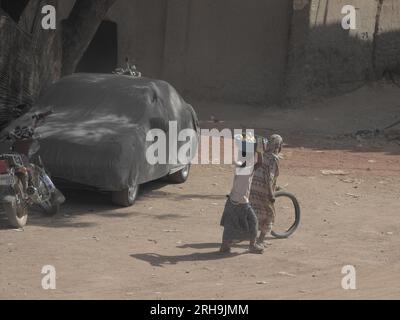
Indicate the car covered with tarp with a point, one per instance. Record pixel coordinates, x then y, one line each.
98 134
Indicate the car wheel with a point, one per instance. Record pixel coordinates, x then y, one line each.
180 176
127 197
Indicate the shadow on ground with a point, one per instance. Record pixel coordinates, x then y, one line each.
86 202
211 245
158 260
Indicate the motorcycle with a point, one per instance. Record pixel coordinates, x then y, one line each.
24 182
130 70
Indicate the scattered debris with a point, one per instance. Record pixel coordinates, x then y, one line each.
279 188
91 238
350 180
353 195
362 134
304 291
334 173
337 204
387 133
283 273
170 231
393 125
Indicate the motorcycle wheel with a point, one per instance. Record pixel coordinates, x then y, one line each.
15 207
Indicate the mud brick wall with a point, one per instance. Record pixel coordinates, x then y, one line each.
387 56
258 51
230 50
326 60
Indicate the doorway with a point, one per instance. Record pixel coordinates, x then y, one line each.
102 54
14 8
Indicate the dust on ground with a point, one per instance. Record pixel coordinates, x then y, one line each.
166 245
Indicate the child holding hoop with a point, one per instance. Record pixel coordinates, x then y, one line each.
239 219
264 186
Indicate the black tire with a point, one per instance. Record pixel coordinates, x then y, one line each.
15 207
50 207
125 198
296 222
180 176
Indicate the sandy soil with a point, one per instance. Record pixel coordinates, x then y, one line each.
165 247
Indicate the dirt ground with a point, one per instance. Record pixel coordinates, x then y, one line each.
165 246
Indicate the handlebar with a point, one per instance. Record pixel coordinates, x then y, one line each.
26 130
41 116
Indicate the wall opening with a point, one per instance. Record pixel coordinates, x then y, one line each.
102 54
14 8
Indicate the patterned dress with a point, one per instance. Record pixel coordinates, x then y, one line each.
259 194
239 219
239 222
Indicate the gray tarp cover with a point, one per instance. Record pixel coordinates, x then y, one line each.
96 136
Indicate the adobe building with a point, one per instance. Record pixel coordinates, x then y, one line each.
255 51
231 50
